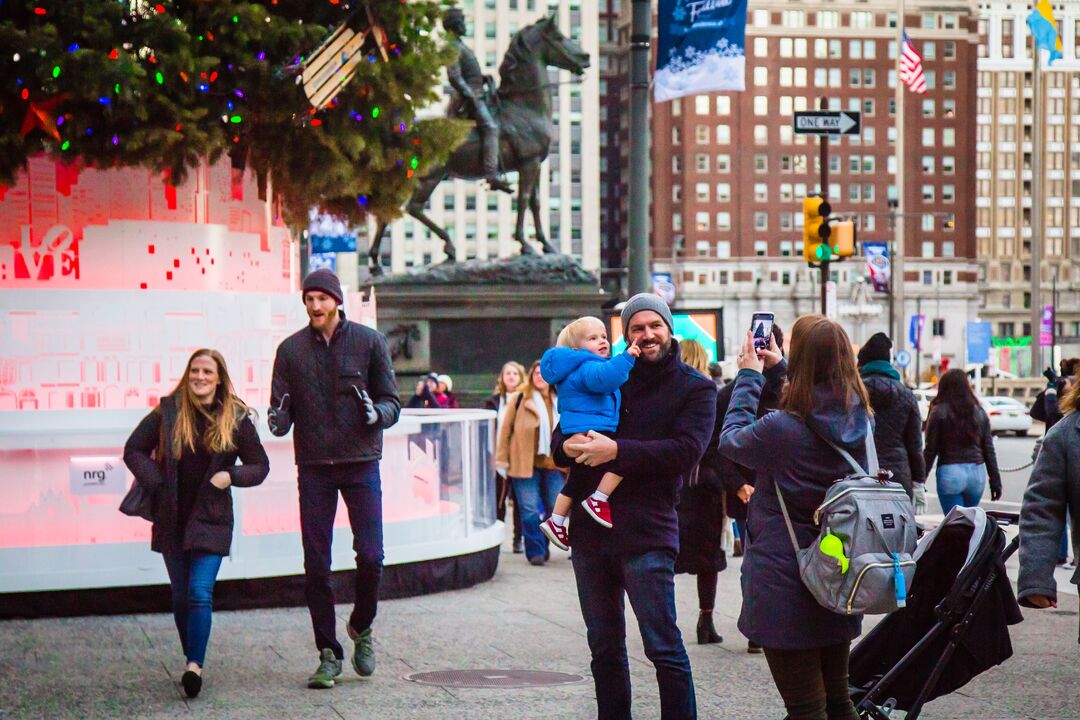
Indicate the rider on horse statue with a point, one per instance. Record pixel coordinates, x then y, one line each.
468 101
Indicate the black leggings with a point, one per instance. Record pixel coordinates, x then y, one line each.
813 683
706 589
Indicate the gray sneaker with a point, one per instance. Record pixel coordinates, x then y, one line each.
363 657
329 668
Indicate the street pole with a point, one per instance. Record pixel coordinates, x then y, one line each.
918 345
823 142
1036 212
1053 319
892 278
899 249
638 246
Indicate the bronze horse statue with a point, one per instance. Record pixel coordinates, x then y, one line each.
523 111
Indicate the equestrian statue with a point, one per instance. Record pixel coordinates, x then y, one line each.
513 129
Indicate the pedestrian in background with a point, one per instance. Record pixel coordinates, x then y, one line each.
1053 491
508 382
958 436
445 392
185 453
738 480
425 397
665 422
524 454
897 420
806 645
334 381
701 518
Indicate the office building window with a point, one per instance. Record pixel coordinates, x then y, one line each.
723 221
928 248
701 104
723 192
761 247
701 162
702 192
723 249
701 221
761 221
723 105
723 163
761 192
723 134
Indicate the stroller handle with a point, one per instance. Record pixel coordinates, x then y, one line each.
1004 519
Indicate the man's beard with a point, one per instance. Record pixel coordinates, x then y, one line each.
665 350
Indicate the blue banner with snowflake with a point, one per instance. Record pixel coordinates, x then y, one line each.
702 47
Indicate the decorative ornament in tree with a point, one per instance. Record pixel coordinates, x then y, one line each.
40 116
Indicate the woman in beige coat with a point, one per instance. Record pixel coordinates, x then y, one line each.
524 454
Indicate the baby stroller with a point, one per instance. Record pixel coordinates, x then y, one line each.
955 625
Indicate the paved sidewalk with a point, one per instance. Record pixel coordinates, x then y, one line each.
525 618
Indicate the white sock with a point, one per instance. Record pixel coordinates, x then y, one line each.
599 496
558 519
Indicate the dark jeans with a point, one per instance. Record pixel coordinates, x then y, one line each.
649 581
191 579
536 495
813 683
361 488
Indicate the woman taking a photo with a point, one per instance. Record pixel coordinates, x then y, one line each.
958 437
524 454
185 453
824 401
509 382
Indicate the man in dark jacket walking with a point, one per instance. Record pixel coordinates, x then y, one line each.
334 381
898 423
664 425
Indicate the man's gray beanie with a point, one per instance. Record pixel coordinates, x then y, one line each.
646 301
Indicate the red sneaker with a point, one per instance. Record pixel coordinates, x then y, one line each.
556 534
600 510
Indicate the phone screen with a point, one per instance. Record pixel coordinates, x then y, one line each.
761 327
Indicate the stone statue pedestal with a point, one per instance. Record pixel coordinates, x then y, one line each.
467 319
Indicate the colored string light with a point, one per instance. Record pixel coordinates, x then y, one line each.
66 145
56 71
375 112
159 77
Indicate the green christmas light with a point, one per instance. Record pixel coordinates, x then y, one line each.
236 119
66 145
116 88
375 112
414 162
56 71
159 77
235 19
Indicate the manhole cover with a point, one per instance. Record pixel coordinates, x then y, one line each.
493 678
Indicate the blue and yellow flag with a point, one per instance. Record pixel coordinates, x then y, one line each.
1044 29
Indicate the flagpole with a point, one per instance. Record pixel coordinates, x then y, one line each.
901 206
1036 210
637 250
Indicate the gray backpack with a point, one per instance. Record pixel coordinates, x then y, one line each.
873 522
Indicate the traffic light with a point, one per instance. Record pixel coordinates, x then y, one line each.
842 238
816 229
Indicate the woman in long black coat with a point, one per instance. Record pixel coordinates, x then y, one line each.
185 453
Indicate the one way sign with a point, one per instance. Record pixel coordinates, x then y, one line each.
828 122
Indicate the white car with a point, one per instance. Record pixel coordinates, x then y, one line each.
1006 414
923 397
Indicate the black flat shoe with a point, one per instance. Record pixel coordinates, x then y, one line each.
192 682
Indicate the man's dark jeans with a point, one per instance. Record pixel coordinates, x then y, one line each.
361 487
649 581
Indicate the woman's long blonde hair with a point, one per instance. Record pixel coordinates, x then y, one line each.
224 414
500 388
821 354
1071 399
694 354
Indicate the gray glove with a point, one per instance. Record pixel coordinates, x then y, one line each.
278 418
370 414
919 491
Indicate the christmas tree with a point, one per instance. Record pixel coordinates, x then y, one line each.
169 84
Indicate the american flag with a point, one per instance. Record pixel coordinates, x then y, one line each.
911 73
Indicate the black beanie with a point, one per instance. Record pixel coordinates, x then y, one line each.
876 348
326 281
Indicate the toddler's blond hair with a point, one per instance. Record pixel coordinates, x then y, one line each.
572 335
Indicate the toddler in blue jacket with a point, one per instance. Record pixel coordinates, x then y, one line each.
588 383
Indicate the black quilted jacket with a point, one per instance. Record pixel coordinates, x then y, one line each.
316 387
897 428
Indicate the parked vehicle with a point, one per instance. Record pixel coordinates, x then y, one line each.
923 396
1006 414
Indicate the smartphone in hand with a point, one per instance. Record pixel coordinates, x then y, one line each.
761 325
